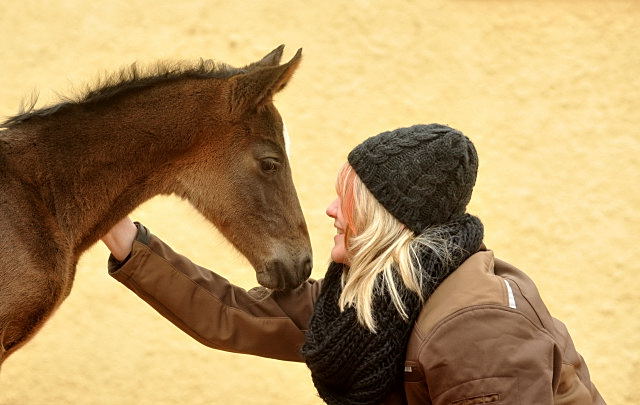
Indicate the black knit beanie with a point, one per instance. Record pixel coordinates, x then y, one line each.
423 175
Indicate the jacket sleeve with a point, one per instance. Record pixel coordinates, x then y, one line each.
489 354
212 310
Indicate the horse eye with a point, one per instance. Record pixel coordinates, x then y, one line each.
269 165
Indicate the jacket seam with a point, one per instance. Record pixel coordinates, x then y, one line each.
568 363
477 308
490 264
201 338
526 299
490 269
588 385
225 306
561 344
462 311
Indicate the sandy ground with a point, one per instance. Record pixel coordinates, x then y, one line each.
549 91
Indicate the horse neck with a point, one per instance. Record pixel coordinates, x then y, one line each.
92 166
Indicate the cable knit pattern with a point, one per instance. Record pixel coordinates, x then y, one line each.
351 365
422 175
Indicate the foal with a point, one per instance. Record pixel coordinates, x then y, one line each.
208 133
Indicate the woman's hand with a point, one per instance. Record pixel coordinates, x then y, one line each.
119 239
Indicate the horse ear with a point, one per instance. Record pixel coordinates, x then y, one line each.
256 88
271 59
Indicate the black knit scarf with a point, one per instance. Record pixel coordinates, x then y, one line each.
351 365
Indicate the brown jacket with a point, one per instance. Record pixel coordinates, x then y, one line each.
483 337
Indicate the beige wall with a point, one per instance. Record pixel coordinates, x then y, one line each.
548 90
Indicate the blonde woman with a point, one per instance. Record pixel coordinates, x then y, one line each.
413 308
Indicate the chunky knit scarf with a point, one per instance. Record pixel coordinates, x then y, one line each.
351 365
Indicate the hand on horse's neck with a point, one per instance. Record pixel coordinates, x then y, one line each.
93 168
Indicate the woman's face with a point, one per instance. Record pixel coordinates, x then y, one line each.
339 251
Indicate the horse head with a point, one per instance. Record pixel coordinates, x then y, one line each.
239 176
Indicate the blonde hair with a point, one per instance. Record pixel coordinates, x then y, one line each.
378 243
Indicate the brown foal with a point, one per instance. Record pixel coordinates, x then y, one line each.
206 132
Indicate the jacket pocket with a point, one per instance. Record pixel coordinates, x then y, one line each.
490 391
481 399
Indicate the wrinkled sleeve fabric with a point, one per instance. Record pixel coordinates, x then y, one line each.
213 311
489 354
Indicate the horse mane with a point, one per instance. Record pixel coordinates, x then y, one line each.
126 79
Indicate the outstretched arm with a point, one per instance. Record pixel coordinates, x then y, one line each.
209 308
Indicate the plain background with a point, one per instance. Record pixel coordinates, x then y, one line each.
549 91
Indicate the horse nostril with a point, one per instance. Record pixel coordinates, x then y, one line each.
307 266
273 275
279 276
279 271
275 266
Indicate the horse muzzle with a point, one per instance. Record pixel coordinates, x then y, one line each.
277 274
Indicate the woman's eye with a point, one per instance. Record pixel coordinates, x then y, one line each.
269 165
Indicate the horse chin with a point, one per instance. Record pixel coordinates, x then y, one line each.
270 280
276 275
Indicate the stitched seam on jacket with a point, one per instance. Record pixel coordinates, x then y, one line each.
589 387
206 341
486 265
226 307
562 344
202 339
526 299
477 308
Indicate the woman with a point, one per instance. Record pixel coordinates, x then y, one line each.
413 308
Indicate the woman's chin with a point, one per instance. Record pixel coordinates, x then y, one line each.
338 256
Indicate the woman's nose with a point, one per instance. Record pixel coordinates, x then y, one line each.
332 209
